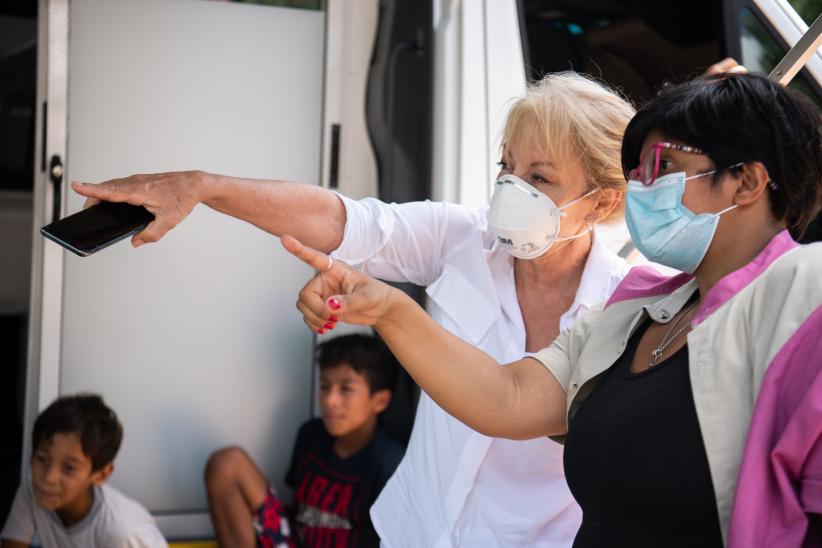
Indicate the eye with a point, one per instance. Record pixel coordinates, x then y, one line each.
665 165
537 178
325 387
69 469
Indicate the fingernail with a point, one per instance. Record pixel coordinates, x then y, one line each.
321 331
333 304
332 318
329 326
138 243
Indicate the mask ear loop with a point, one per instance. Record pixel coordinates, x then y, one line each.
563 207
588 226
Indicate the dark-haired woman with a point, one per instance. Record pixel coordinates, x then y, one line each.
691 406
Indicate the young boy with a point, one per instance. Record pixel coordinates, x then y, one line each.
339 465
66 503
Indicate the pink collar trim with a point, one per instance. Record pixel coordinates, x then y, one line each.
644 281
736 281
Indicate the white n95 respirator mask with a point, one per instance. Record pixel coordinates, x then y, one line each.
525 221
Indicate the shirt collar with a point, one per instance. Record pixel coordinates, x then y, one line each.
734 282
600 267
601 263
666 308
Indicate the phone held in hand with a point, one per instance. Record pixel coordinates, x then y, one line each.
97 227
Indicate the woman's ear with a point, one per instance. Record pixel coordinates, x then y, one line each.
607 200
752 182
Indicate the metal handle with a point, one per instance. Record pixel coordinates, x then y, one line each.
56 176
787 68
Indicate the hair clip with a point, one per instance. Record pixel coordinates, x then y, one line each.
773 185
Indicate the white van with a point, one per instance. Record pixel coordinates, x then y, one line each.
195 341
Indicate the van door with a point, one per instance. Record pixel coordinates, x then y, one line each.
194 341
760 32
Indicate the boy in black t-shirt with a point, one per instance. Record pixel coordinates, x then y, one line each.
339 465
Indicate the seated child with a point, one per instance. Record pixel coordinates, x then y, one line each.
66 503
339 465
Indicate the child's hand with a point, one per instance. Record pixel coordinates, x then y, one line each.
338 292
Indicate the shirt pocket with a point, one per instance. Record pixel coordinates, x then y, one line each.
470 310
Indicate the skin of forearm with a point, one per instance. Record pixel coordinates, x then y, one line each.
468 383
313 215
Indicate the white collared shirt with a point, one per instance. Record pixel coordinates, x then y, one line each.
456 487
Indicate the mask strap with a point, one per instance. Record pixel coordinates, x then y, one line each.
589 227
575 200
727 209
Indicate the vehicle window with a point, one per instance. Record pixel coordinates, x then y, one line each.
809 10
761 52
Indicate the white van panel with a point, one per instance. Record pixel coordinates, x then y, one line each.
478 70
194 341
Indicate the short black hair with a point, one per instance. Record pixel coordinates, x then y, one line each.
366 355
743 118
88 417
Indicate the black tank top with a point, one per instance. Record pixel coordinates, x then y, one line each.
636 463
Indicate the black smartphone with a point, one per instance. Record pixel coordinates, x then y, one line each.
99 226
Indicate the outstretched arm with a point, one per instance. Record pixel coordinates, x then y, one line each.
279 207
521 400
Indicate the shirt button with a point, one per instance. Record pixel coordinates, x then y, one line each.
663 315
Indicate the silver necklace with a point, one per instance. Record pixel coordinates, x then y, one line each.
666 342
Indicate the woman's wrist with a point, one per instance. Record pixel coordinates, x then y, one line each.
205 185
397 304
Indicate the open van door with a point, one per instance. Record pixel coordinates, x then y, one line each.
759 33
193 341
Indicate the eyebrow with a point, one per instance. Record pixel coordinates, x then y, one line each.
507 152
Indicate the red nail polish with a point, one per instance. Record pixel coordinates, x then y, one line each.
328 326
333 304
321 331
332 318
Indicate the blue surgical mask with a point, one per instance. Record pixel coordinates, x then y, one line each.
663 229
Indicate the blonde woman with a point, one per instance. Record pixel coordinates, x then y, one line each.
507 278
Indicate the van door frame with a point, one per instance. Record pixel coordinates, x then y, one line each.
46 298
783 24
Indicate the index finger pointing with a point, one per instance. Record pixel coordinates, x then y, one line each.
313 258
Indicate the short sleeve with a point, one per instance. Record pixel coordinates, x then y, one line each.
387 463
556 358
146 535
20 525
560 358
386 457
300 448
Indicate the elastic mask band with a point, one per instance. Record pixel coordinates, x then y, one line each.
563 207
727 209
588 229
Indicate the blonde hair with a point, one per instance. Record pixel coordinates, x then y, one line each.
575 118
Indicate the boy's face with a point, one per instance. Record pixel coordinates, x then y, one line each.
61 473
346 402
